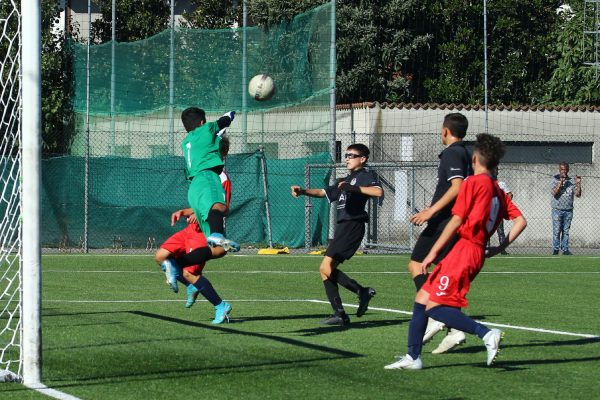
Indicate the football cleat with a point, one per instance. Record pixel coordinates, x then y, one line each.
217 239
364 297
452 339
406 362
492 341
192 295
172 272
341 320
222 312
433 327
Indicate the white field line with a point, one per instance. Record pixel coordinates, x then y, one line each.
56 394
390 310
316 272
304 255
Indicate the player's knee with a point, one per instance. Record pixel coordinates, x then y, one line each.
161 255
219 207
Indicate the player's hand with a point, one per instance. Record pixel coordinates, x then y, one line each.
230 114
192 219
176 216
421 217
427 262
296 191
343 185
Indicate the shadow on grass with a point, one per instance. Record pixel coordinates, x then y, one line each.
362 324
225 329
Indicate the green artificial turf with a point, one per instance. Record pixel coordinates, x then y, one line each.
112 329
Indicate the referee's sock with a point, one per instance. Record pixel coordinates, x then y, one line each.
344 280
331 290
195 257
454 318
207 290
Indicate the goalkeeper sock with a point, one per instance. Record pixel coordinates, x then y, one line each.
195 257
215 221
344 280
208 291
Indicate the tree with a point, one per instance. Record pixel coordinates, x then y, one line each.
136 20
572 82
57 89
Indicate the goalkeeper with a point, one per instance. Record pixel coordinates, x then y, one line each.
203 165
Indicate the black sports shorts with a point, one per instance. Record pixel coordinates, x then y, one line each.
429 236
346 240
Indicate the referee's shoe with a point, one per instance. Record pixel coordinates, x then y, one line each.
364 297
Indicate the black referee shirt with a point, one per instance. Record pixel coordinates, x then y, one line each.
351 205
455 162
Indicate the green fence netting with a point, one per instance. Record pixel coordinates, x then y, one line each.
207 67
130 201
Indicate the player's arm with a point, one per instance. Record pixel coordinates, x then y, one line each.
297 191
448 232
225 120
518 225
577 186
425 215
373 191
177 215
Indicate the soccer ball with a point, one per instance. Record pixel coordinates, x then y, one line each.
261 87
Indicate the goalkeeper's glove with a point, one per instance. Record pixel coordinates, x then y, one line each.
230 114
222 132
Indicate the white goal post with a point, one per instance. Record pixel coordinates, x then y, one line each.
20 175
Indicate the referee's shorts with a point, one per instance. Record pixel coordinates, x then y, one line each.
346 240
429 236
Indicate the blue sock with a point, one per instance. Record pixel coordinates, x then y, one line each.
416 330
454 318
206 289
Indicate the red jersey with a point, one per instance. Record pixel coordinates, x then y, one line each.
481 205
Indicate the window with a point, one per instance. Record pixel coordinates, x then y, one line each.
159 150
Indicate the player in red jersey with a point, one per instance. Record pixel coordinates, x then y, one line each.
191 238
479 207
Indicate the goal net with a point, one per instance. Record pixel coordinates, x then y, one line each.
10 193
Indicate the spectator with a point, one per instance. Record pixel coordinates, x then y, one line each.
563 190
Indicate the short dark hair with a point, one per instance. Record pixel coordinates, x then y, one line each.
192 118
224 146
564 164
457 124
489 149
361 148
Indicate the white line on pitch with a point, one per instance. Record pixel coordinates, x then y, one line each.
391 310
56 394
316 272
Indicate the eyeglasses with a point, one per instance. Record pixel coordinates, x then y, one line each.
352 155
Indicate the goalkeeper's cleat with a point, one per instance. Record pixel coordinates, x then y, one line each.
222 312
452 339
406 362
192 295
492 341
172 272
364 297
433 327
217 239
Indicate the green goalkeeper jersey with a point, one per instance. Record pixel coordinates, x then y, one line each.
201 149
